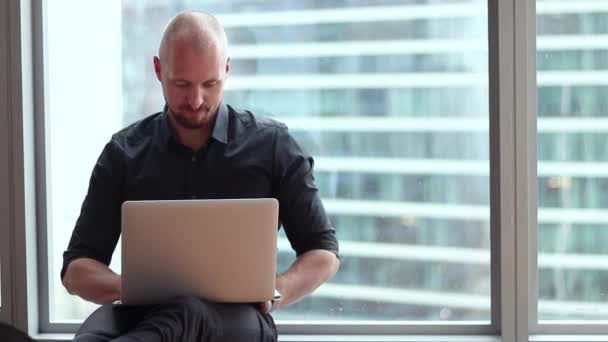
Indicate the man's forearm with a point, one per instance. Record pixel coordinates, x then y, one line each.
93 281
308 272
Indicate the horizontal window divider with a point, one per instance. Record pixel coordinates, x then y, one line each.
458 255
434 210
449 79
359 81
395 13
408 123
453 167
388 47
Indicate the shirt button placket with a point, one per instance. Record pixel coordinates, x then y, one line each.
193 177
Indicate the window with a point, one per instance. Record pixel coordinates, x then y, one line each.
572 64
7 172
402 159
390 97
85 106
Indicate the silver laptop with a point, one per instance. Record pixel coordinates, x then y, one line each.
219 250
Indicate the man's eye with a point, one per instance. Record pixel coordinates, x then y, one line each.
210 84
181 84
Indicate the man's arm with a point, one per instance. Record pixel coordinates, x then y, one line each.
85 272
307 273
92 280
305 221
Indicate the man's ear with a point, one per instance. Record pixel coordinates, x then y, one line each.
157 67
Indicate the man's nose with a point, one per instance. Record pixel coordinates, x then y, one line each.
196 98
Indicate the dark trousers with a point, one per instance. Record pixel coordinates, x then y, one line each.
184 318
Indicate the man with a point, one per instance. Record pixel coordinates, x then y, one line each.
198 147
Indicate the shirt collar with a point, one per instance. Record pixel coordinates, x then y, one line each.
220 127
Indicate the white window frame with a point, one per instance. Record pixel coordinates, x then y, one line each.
18 267
6 314
512 54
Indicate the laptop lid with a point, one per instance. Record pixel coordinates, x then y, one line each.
220 250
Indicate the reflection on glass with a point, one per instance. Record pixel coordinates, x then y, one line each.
572 61
390 97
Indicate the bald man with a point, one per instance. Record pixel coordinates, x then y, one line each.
197 147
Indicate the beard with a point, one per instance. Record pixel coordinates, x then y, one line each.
188 121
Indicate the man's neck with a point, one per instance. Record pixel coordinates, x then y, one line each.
194 139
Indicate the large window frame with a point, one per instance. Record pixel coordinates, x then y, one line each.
17 177
5 174
512 90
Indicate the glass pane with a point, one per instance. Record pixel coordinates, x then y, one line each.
390 97
572 61
85 106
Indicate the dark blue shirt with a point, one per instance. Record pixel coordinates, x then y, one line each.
246 157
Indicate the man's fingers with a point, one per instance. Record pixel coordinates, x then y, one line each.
265 307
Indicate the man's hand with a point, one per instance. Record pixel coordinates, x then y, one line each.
308 272
92 281
265 307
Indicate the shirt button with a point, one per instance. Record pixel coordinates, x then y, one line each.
193 196
194 159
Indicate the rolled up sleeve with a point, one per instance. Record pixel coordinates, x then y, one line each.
301 210
98 227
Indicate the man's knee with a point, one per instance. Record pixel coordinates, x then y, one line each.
222 321
101 325
183 318
192 312
189 304
243 322
90 336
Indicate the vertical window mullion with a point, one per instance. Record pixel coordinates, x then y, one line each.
525 158
502 127
5 166
513 172
18 267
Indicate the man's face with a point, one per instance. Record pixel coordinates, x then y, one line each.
193 83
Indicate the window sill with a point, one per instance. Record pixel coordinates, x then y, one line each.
569 338
334 338
388 338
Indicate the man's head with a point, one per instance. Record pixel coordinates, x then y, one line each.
192 66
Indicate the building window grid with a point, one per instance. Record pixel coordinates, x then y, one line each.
540 123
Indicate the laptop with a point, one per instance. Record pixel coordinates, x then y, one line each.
219 250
